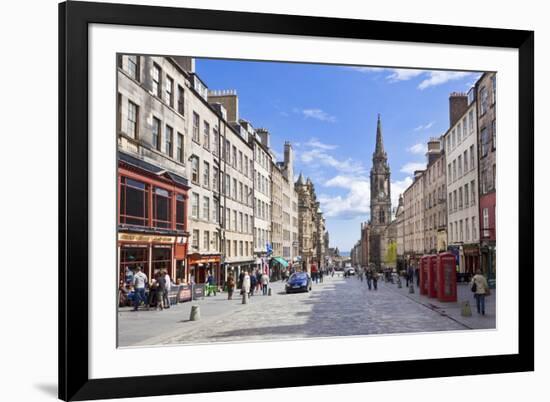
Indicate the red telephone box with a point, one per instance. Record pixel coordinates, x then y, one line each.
432 276
424 262
446 277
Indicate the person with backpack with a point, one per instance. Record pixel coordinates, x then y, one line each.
480 288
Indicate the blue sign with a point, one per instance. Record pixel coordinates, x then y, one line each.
269 248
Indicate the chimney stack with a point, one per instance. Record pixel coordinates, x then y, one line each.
458 103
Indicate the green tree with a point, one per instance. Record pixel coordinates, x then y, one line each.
391 253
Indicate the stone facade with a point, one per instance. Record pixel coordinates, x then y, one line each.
311 228
487 136
277 208
435 205
380 200
413 200
461 152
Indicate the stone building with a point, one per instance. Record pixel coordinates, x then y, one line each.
364 244
413 203
277 209
461 152
154 98
380 200
262 197
236 165
400 233
487 135
435 205
308 224
290 205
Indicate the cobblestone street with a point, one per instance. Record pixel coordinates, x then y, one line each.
337 307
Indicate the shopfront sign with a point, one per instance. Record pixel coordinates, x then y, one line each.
198 292
185 293
141 238
203 259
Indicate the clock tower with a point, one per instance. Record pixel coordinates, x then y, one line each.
380 199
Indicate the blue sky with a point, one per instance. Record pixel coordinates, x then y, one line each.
329 114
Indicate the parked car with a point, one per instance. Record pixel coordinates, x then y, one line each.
298 282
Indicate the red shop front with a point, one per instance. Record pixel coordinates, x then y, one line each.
151 253
201 264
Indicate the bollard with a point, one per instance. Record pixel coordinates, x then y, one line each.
399 285
195 313
411 288
466 309
269 291
245 298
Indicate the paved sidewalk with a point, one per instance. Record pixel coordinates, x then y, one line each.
134 327
453 309
337 307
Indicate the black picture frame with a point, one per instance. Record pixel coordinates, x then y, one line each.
74 18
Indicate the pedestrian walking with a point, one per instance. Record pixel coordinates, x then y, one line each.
140 279
161 290
245 289
321 276
417 275
410 275
253 283
230 286
168 287
480 287
265 283
369 278
258 275
375 280
240 283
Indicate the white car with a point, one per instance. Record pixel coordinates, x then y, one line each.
349 271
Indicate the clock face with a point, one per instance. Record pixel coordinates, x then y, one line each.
381 194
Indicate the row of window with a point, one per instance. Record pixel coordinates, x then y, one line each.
262 184
488 140
461 165
464 197
262 210
484 96
462 130
459 231
162 85
261 157
432 200
211 242
233 220
488 184
261 238
147 205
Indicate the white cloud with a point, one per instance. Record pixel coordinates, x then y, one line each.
366 69
432 78
410 167
419 148
315 143
356 202
318 114
397 188
424 126
399 74
441 77
318 157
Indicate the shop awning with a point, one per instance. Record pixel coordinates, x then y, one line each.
281 261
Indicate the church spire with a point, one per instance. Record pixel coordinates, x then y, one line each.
379 142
